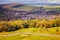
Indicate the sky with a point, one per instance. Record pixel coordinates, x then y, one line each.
29 1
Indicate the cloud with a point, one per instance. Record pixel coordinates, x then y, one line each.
30 1
54 1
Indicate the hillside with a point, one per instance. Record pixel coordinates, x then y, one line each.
21 11
18 6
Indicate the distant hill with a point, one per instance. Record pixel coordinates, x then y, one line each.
44 4
17 6
22 7
20 11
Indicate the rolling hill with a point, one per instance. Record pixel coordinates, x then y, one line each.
18 6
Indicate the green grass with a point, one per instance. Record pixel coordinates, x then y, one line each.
25 7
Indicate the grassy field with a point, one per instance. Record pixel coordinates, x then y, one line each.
51 31
29 37
25 8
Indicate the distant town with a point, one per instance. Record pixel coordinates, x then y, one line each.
35 13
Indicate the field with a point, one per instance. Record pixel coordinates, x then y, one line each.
31 34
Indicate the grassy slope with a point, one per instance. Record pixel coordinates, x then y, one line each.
30 37
50 6
29 8
25 8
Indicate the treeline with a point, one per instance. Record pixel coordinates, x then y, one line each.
14 25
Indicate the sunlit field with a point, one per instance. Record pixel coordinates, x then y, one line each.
31 34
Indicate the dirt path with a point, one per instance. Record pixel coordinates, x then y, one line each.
34 34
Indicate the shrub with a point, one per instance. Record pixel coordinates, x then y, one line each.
25 25
19 24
